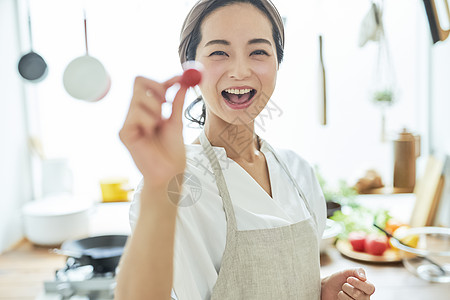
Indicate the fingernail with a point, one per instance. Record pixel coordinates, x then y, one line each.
361 274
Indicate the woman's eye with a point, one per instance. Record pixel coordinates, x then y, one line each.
218 53
260 52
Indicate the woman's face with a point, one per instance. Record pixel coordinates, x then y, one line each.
239 55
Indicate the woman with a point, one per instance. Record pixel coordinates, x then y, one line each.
250 226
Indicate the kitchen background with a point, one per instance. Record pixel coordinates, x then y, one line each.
140 37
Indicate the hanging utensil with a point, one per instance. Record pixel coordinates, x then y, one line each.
384 86
437 33
322 85
370 26
85 78
32 66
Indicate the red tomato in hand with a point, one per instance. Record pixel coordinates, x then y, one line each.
376 244
191 77
357 239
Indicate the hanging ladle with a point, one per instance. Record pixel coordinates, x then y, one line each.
32 66
85 78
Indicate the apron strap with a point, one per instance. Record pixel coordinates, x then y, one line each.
221 184
300 191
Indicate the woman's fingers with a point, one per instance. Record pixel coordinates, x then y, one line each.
365 286
356 289
168 83
149 103
145 109
139 123
147 123
343 296
142 85
177 106
150 95
354 292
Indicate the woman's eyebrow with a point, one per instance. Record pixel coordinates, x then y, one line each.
227 43
217 42
259 41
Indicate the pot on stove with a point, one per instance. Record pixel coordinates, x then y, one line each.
101 252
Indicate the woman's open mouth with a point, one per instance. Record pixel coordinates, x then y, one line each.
238 98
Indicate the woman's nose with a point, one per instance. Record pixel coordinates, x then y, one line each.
240 69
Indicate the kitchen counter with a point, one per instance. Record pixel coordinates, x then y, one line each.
391 280
23 269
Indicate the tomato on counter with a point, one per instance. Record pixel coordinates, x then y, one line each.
376 244
357 239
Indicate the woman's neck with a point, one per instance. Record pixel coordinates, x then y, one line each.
239 141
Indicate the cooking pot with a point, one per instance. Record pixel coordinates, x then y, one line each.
53 220
101 252
115 189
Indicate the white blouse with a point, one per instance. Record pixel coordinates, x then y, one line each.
201 226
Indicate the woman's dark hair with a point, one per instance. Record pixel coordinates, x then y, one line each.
191 36
202 118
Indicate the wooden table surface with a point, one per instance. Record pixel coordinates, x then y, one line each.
24 269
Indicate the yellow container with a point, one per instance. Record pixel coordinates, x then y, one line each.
115 189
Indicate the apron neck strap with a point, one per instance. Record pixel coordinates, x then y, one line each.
286 170
221 184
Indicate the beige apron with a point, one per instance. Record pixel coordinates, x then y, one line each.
275 263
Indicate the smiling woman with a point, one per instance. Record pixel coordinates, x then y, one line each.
254 231
217 49
235 64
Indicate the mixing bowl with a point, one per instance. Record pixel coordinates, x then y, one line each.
330 233
429 259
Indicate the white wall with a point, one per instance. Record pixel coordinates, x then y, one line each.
351 142
15 184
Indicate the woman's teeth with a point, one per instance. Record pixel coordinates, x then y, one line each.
238 96
237 91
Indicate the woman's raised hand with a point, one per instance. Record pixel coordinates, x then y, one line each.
156 144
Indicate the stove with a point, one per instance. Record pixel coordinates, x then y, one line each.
79 282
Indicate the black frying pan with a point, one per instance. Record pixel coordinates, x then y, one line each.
102 252
32 66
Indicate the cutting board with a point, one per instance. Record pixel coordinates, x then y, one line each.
428 192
